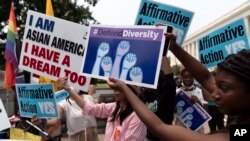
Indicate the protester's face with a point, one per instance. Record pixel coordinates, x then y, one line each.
232 95
187 79
118 96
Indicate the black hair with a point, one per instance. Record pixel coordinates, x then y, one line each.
123 114
182 71
81 92
67 99
238 65
93 81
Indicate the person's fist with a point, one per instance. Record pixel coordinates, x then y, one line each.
35 120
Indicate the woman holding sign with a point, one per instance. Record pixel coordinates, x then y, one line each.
229 88
122 122
79 128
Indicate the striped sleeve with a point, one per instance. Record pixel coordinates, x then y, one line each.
136 130
102 110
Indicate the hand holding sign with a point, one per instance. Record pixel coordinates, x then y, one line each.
172 42
191 115
62 82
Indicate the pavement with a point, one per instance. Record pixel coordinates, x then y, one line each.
100 136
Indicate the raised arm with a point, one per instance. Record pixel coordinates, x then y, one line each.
98 110
165 65
196 68
166 91
63 85
155 125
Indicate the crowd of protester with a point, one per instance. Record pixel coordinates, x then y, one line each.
143 114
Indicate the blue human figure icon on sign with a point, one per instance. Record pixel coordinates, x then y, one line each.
136 74
103 49
106 65
188 123
128 62
122 49
189 110
188 119
179 106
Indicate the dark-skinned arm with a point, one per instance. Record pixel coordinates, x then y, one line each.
196 68
155 125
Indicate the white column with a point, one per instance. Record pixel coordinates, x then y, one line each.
195 50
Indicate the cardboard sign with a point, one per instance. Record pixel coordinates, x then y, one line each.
36 99
5 123
54 48
61 95
217 45
20 134
193 116
129 53
151 12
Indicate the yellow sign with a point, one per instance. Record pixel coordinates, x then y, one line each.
20 134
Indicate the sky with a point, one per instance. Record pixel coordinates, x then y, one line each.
123 12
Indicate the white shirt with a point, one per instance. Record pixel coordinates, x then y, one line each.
74 117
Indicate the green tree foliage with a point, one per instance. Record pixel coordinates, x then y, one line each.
176 69
65 9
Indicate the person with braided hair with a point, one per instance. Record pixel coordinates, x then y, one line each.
229 88
217 121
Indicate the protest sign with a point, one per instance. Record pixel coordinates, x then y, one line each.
17 134
61 95
129 53
217 45
5 123
193 116
151 12
54 48
36 99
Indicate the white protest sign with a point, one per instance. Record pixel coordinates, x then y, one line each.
5 123
54 48
129 53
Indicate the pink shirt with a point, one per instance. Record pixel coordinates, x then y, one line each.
132 128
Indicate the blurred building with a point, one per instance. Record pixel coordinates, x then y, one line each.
190 43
